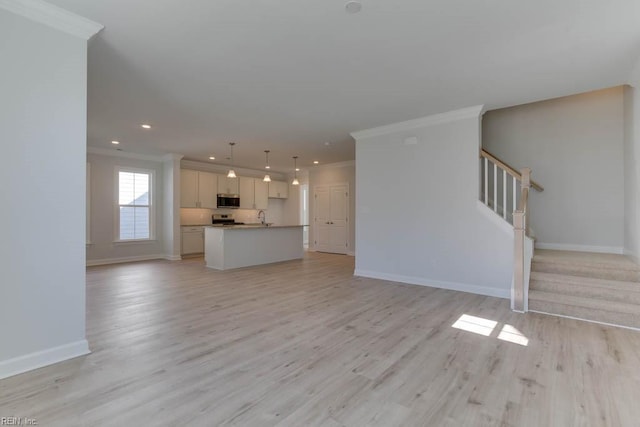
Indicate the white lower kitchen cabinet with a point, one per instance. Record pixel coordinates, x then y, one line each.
192 240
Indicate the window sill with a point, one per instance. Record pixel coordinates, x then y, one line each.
137 241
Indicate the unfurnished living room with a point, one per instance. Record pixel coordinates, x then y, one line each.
320 213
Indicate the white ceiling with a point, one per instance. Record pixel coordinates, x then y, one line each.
290 75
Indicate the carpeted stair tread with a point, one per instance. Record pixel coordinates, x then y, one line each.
590 286
588 303
620 318
587 259
589 271
540 280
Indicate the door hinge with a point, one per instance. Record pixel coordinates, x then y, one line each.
346 194
315 242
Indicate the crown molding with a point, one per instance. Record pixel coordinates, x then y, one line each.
435 119
172 157
53 16
126 154
223 169
344 164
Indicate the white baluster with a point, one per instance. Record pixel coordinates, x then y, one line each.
515 195
504 194
486 181
495 187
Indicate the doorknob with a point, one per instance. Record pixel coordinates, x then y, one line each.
331 222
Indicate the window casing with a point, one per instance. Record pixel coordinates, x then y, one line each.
135 205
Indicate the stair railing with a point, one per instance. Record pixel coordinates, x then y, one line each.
501 185
495 190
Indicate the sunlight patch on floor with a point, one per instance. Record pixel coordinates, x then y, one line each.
486 327
511 334
474 324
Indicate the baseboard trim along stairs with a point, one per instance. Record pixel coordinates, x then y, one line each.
597 287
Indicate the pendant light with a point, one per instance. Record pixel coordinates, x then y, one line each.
267 178
295 171
232 173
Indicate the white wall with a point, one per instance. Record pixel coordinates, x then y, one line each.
103 248
574 146
417 213
338 173
632 170
43 81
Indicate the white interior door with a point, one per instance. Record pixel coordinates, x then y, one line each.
322 218
338 195
331 218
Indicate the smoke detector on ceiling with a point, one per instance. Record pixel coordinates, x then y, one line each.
353 7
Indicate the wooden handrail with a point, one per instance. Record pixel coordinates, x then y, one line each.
511 171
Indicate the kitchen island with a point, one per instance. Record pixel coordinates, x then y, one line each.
245 245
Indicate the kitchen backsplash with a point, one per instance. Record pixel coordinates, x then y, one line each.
193 216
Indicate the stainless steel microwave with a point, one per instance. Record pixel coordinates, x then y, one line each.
229 201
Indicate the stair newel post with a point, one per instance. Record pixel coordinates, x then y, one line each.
517 294
520 231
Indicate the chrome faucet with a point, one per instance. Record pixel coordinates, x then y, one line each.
263 218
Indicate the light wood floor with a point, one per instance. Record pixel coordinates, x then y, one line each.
304 343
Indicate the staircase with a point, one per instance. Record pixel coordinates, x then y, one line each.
590 286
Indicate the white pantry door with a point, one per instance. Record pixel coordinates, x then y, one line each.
332 218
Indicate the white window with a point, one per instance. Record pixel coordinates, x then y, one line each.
135 204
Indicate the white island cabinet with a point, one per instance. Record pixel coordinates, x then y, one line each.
243 246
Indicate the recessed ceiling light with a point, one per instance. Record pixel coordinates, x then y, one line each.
145 126
297 169
115 142
327 144
353 7
315 162
267 167
212 158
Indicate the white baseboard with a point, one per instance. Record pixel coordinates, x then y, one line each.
581 248
351 253
631 255
29 362
461 287
106 261
172 257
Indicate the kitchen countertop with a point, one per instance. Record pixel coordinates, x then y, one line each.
250 226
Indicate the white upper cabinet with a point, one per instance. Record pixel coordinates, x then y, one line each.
207 186
189 188
247 193
197 189
278 190
261 194
227 185
254 193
